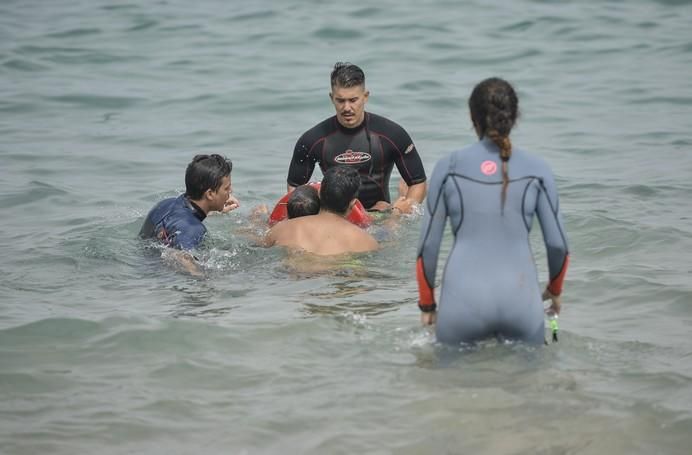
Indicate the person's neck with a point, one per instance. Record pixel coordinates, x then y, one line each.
329 213
352 129
201 204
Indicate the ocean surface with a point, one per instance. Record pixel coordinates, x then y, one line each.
105 349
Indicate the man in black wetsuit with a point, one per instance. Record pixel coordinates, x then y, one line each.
370 143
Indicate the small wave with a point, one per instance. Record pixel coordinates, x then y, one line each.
255 16
144 25
665 100
365 12
19 108
48 331
22 64
34 191
520 26
76 32
337 33
420 85
97 101
119 7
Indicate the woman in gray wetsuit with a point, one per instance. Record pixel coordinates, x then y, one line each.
490 192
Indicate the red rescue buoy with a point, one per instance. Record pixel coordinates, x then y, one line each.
358 215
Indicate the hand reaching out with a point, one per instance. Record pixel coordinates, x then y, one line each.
231 204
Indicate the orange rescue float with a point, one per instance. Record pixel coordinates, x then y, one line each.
358 215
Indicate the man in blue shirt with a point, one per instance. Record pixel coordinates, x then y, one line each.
177 221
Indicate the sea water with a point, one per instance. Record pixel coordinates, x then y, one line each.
106 349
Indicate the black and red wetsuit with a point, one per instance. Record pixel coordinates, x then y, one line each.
374 147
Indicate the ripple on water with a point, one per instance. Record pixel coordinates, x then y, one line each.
255 16
34 191
92 101
24 65
74 33
330 33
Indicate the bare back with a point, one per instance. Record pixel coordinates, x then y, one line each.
323 234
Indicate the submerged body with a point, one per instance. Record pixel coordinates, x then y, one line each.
177 222
490 285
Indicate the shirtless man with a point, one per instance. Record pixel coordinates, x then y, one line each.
328 232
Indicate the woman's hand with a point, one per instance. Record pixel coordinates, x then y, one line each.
556 303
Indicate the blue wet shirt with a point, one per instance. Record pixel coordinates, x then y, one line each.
177 222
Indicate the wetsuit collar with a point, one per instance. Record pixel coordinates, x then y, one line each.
354 130
489 144
198 212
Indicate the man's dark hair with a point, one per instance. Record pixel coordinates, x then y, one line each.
303 201
339 187
347 75
205 172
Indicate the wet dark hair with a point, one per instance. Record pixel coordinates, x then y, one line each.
303 201
347 75
339 187
494 110
205 172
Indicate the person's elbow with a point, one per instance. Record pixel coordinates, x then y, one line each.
557 249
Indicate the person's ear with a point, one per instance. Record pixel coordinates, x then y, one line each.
209 194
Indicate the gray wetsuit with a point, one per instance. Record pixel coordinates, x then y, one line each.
490 284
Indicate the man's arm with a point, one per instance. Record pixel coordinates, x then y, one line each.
417 192
270 237
181 247
413 195
185 261
412 187
302 163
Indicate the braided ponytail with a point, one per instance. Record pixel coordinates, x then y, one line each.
494 110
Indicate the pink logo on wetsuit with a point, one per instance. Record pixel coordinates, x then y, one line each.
488 167
351 157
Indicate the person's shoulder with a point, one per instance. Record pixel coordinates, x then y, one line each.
279 227
168 202
163 206
322 129
383 124
290 225
533 162
356 231
364 240
443 165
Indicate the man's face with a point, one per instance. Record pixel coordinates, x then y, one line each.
220 196
349 104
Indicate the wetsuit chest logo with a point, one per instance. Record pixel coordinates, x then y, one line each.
351 157
488 167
